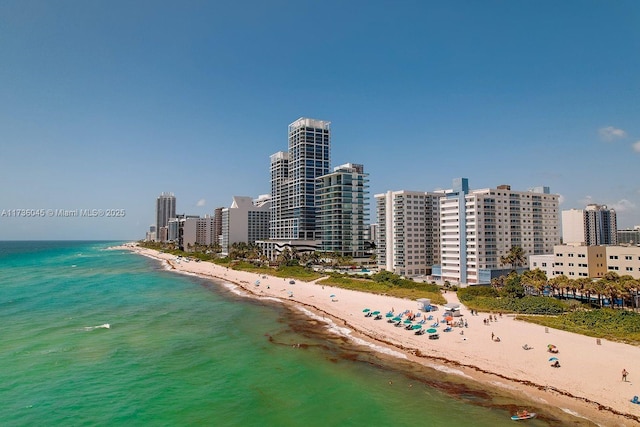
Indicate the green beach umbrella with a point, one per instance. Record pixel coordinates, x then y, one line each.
397 319
366 310
407 321
416 327
389 314
432 331
375 313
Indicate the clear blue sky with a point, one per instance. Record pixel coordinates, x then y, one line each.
106 104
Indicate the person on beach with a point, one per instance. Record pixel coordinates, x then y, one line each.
492 335
624 375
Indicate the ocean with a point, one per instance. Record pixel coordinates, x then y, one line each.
92 336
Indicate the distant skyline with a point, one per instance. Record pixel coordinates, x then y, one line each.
105 105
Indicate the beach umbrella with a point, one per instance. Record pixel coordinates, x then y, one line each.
375 313
552 359
366 310
432 331
389 314
551 346
416 327
332 296
448 318
292 282
397 319
407 321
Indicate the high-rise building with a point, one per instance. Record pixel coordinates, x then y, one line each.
293 180
408 239
246 220
165 210
479 227
595 225
217 225
600 225
342 210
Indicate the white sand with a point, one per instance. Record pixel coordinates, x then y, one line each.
588 383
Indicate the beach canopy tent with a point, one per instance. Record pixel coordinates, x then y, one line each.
424 304
452 309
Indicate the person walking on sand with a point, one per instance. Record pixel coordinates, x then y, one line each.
624 375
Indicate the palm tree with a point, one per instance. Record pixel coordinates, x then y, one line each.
584 285
498 283
558 283
515 257
534 280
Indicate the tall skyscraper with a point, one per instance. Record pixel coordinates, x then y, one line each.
293 180
596 225
342 205
165 210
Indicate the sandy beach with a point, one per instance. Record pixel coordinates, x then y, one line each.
588 383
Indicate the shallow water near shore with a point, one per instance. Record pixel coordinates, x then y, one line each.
101 337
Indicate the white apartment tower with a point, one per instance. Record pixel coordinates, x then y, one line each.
408 240
293 180
246 220
165 210
342 210
478 227
595 225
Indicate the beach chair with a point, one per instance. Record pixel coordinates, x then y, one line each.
430 317
447 329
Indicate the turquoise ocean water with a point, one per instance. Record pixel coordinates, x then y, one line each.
182 350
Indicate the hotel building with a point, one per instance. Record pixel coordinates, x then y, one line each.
246 220
293 180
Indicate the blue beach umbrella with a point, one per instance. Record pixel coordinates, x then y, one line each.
332 296
552 359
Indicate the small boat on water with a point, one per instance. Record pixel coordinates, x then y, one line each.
523 415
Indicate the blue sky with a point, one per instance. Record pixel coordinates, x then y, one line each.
105 105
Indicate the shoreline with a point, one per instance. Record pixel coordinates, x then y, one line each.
587 386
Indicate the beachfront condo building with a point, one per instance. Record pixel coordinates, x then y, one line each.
479 227
342 204
407 236
595 225
165 210
246 220
293 180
